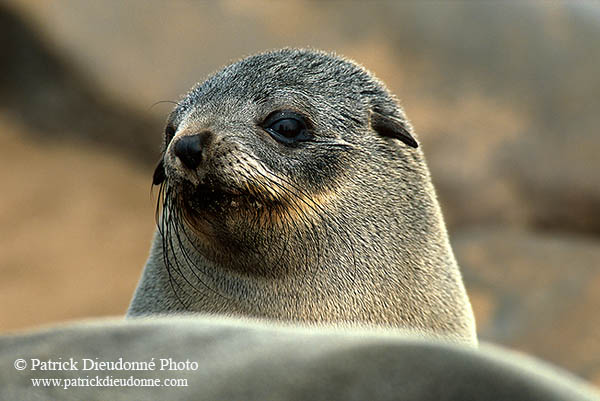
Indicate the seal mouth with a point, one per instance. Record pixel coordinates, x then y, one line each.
216 201
211 197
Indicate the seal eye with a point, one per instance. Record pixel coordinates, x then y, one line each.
287 127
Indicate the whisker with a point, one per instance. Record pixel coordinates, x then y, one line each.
163 101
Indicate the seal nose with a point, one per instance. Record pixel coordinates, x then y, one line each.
189 149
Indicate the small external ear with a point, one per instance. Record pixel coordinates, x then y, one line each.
159 175
392 128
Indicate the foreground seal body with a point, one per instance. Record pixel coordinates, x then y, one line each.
228 360
293 189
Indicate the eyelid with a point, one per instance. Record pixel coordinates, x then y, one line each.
281 114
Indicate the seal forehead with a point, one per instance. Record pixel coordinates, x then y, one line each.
297 69
305 72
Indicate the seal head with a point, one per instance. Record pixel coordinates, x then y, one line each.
293 188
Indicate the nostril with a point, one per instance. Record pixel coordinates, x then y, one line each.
189 150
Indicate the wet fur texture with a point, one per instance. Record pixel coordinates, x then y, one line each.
342 229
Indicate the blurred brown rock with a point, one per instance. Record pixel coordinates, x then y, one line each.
510 173
57 102
537 292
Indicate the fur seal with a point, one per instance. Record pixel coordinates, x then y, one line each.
222 359
293 189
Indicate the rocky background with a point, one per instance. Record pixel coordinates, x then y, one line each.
505 98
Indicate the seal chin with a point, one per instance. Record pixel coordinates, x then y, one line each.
220 221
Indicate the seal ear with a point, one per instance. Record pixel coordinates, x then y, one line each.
392 128
159 175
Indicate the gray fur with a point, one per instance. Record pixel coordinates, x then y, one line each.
240 360
360 239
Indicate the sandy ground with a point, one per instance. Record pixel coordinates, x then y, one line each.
61 206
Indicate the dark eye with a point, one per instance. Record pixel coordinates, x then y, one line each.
287 127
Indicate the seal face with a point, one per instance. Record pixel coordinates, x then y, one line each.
292 188
252 150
